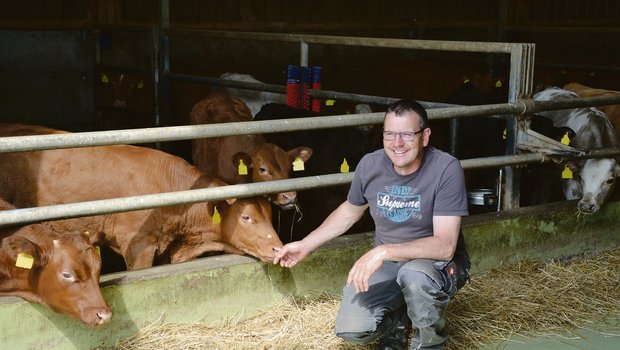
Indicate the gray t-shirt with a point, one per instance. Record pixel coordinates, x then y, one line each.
403 206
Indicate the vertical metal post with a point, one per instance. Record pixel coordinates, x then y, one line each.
155 75
96 37
520 87
454 139
162 85
303 54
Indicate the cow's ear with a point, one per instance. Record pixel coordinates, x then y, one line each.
22 252
242 156
94 237
221 206
574 166
303 153
241 107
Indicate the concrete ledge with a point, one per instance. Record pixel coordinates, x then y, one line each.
229 286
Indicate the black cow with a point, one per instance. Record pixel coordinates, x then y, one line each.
484 137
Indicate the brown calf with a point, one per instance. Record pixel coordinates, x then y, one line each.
175 233
221 157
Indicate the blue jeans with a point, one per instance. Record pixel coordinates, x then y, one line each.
420 289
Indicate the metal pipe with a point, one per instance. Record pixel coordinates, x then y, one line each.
116 205
303 54
439 45
188 132
281 89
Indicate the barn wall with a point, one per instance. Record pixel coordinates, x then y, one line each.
569 33
234 287
46 78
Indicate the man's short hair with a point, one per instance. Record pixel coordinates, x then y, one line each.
404 106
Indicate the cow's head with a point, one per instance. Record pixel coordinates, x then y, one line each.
62 272
246 225
593 181
270 162
122 87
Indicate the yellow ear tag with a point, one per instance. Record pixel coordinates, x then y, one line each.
140 84
329 102
243 169
565 140
344 167
465 81
216 216
98 250
567 173
25 261
504 134
298 164
104 79
498 84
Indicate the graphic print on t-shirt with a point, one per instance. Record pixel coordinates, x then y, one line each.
398 203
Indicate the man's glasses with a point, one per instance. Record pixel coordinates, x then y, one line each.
406 135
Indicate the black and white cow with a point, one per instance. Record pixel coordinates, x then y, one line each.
254 99
593 179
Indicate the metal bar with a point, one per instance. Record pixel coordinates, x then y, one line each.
188 132
563 29
116 205
281 89
155 75
439 45
580 66
303 54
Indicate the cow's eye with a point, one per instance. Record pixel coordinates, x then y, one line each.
262 170
610 181
67 276
245 218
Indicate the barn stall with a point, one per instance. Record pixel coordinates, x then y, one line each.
121 288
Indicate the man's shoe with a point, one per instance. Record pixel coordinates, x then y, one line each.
394 340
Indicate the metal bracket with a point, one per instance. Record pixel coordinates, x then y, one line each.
533 141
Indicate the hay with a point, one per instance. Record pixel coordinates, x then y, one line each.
527 299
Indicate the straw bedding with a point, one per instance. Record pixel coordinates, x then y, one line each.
526 299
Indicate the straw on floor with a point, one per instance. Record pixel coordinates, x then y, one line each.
526 299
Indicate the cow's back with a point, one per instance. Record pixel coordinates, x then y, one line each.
39 178
90 173
9 129
612 111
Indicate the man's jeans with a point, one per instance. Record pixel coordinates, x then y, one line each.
422 288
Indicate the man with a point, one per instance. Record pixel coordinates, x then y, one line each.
416 195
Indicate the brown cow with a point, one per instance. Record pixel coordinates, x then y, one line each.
612 111
60 271
175 233
221 157
126 101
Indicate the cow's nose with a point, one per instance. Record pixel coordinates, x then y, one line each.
587 207
287 199
104 315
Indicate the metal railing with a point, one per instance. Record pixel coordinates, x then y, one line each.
108 206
